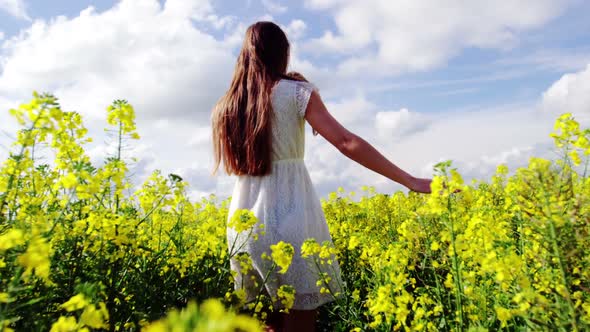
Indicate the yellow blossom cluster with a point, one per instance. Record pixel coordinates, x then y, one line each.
90 318
82 249
512 253
68 227
210 316
282 254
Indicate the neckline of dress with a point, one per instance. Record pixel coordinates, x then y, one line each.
285 80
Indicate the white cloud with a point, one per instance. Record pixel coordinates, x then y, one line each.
483 167
199 10
173 73
476 140
8 127
196 9
396 124
571 93
352 110
151 55
385 37
274 6
295 29
322 4
16 8
154 58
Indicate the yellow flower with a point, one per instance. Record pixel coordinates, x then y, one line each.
503 315
76 302
434 246
245 262
12 238
122 113
93 317
575 157
286 295
159 326
282 254
69 181
213 309
381 304
4 297
64 324
449 281
210 317
310 247
36 258
353 242
242 219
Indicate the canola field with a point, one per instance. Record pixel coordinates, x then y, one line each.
80 250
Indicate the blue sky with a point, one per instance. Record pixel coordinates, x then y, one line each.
476 82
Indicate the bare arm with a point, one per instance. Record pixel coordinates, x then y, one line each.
356 148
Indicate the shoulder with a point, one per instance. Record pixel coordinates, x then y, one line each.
296 83
301 93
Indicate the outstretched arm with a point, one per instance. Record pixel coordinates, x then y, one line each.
356 148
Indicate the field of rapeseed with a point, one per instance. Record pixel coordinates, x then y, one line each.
80 250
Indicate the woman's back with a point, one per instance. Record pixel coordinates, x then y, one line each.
289 99
286 203
258 130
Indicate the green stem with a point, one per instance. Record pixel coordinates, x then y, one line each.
458 284
564 278
562 269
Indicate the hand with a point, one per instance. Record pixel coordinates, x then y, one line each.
420 185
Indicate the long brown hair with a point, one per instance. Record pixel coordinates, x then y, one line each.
241 120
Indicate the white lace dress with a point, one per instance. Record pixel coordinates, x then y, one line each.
286 202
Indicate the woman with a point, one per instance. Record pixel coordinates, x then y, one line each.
258 135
